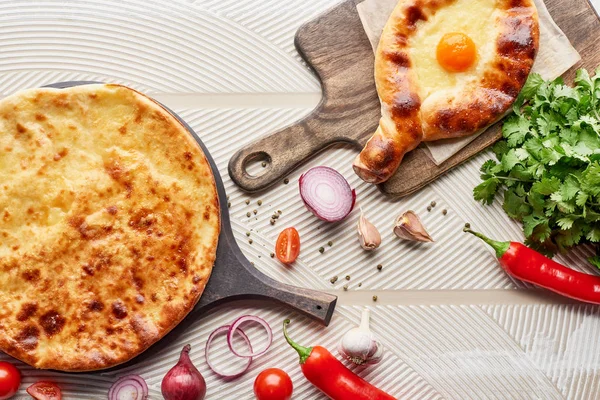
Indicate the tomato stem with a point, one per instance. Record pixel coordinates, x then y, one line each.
303 352
499 247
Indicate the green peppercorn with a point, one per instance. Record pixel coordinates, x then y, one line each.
347 277
247 233
333 280
248 214
345 288
272 221
444 212
374 298
250 241
247 202
286 181
321 250
259 203
264 164
330 243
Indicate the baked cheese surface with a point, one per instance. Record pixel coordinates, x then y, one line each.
109 220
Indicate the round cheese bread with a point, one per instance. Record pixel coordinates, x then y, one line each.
109 220
446 69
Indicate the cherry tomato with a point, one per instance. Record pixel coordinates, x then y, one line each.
273 384
44 390
10 379
287 247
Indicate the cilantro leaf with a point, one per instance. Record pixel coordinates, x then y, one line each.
509 160
546 186
583 80
500 148
531 222
590 179
569 188
486 191
595 261
566 222
534 81
515 204
593 235
515 130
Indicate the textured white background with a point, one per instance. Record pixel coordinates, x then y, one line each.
453 324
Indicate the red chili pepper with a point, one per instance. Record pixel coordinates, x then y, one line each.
530 266
332 377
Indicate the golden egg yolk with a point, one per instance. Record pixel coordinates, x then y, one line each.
456 52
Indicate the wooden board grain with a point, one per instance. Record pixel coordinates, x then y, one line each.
337 48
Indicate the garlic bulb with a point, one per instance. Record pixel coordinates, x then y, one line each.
408 226
369 236
359 344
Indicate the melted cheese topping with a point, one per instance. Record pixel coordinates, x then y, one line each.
109 222
475 18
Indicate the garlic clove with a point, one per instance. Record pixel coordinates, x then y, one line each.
408 226
359 345
368 235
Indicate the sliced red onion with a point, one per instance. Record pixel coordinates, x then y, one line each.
130 387
225 329
235 327
327 194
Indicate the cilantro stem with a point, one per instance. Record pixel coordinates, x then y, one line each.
508 178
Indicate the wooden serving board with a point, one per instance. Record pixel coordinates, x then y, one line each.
337 48
233 278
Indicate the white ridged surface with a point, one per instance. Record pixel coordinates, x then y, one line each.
169 47
484 344
561 341
274 20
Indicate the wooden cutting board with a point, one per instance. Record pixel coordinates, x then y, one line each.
336 47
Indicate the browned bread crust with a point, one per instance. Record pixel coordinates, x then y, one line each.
409 118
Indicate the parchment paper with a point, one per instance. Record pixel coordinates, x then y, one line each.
555 57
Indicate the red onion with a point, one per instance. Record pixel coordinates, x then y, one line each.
225 329
130 387
327 194
235 327
183 381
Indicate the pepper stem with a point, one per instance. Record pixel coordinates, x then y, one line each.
303 352
499 247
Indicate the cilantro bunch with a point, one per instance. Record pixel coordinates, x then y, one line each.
548 164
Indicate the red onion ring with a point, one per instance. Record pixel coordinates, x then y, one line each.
209 341
235 327
130 387
326 193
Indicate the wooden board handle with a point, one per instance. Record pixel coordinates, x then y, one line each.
283 152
